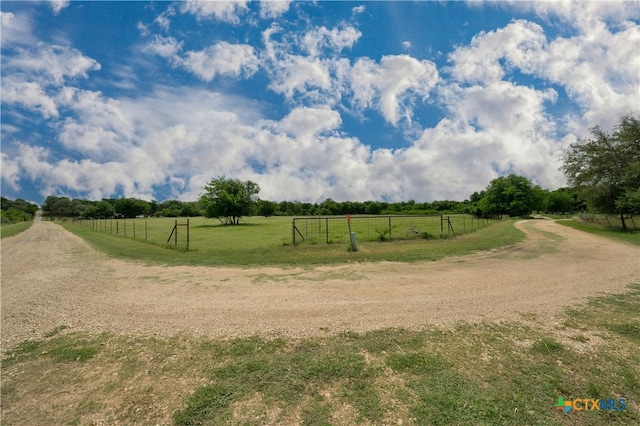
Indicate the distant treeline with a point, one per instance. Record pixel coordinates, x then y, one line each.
17 210
558 201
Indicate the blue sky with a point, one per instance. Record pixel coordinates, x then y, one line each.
312 100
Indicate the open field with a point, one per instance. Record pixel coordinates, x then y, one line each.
267 241
491 337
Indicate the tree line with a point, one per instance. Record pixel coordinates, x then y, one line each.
16 210
559 201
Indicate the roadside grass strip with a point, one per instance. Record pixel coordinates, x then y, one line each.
487 373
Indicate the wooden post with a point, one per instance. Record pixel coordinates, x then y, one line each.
326 228
293 232
187 234
176 236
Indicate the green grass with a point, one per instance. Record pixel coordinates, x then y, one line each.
267 241
509 373
11 229
630 236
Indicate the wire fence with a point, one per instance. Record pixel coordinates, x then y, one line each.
155 231
336 229
608 221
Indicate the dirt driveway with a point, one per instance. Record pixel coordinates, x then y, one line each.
52 278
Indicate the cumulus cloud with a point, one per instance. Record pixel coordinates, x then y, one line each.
390 85
273 8
52 64
594 68
226 11
29 95
221 58
16 29
58 5
335 39
10 171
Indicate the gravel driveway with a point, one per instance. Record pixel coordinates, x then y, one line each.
52 278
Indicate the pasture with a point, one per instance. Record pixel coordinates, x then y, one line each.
268 241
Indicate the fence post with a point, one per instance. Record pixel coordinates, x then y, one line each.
117 227
441 225
389 217
187 234
176 236
134 229
326 226
293 232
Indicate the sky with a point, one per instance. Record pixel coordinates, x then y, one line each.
365 100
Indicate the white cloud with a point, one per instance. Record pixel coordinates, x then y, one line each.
10 171
301 75
315 40
303 123
52 65
29 95
221 58
58 5
165 47
583 16
273 8
520 43
598 69
226 11
391 85
16 29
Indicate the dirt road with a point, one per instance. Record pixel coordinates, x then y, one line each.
51 278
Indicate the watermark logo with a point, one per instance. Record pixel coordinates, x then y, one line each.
590 404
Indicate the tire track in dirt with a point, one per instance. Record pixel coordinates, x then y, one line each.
51 278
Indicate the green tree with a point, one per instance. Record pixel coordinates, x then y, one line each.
59 207
131 207
229 199
512 195
559 201
266 208
606 168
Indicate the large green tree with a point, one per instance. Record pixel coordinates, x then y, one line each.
131 207
229 199
606 168
512 195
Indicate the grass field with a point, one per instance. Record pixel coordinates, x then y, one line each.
267 241
11 229
477 374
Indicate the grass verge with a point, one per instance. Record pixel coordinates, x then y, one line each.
258 245
631 236
11 229
480 374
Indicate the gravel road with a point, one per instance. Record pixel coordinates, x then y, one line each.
51 278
